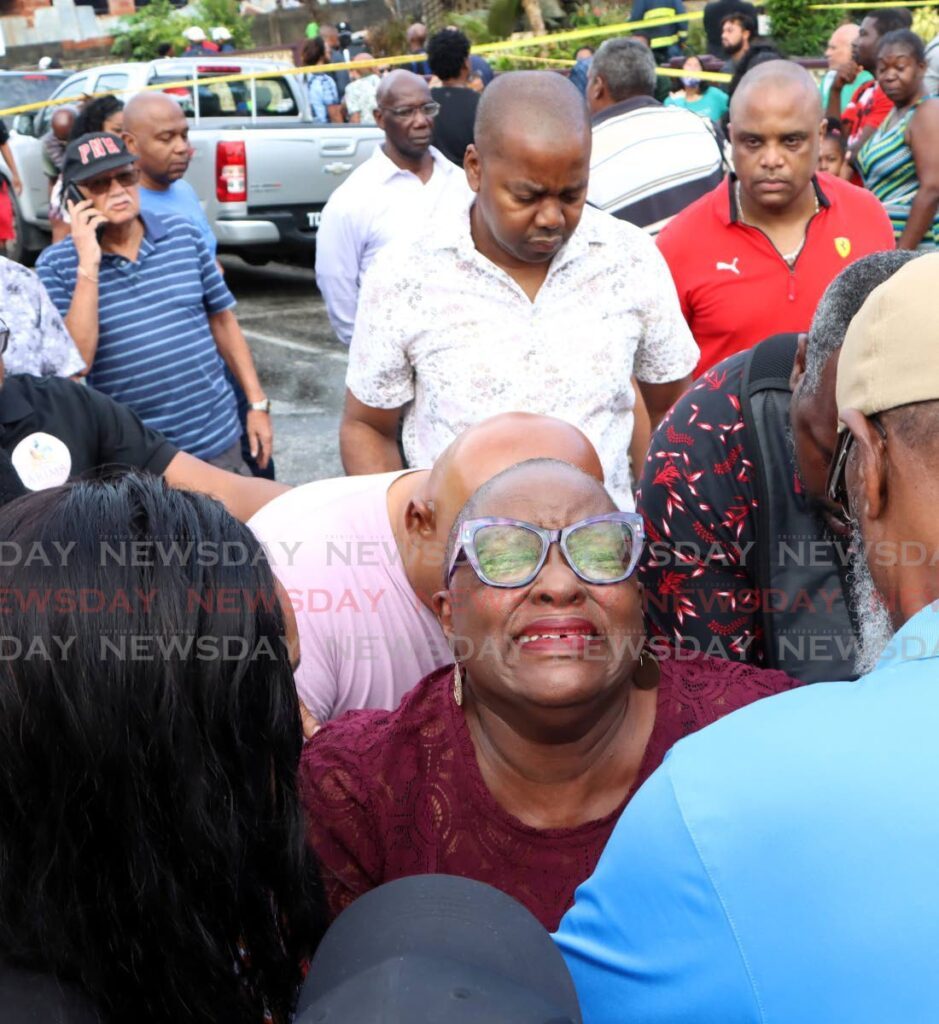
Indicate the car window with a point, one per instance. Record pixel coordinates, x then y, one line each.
233 99
73 87
18 90
111 83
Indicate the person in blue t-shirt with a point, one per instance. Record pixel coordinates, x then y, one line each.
780 866
156 131
699 96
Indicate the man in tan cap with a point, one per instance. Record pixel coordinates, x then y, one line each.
362 557
781 864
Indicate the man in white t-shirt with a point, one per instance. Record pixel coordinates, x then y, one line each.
361 558
400 188
523 300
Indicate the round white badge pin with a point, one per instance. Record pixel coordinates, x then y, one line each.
42 461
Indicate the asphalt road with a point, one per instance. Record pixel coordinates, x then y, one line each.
301 365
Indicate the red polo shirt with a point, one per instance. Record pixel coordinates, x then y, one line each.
736 289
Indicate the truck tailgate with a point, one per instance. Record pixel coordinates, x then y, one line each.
287 167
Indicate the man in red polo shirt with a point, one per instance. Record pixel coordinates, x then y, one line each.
753 257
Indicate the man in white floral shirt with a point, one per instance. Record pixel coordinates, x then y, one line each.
39 341
522 301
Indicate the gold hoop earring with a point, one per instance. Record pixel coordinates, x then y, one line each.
457 684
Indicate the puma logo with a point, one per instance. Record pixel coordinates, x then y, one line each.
732 267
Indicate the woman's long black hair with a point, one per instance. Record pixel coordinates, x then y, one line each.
93 114
152 847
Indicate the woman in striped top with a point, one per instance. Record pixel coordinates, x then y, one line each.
900 161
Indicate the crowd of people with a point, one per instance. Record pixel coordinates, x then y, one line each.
598 688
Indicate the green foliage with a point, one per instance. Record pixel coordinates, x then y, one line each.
216 13
475 25
697 41
388 38
502 17
926 23
798 31
139 35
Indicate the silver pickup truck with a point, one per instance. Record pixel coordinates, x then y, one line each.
263 169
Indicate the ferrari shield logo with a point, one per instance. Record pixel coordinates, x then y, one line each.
843 245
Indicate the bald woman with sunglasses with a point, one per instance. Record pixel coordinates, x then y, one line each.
512 765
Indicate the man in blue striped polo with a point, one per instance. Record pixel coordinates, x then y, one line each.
149 311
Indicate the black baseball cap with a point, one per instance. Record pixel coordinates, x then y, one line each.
434 948
93 154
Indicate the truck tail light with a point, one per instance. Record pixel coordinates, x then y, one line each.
231 172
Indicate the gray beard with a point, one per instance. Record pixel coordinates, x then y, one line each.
876 629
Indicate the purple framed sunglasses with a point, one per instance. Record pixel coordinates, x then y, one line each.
510 552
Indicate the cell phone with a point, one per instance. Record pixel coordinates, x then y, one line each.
73 192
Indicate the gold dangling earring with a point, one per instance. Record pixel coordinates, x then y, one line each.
457 684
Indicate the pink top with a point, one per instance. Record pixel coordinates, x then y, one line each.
395 794
365 636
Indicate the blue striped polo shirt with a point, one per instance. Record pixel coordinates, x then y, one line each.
156 353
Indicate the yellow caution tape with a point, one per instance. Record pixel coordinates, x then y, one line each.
708 76
869 7
377 62
186 83
572 35
555 61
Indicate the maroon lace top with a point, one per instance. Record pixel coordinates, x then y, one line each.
396 793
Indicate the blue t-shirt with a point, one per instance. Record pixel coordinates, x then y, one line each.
712 103
156 353
781 865
180 198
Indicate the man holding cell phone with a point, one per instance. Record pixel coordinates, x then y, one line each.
140 295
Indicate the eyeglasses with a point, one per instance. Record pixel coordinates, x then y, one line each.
510 553
836 488
430 110
4 337
101 186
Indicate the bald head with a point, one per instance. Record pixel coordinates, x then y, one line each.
529 167
776 128
486 449
400 113
845 34
529 105
772 79
400 87
156 130
416 36
146 107
62 121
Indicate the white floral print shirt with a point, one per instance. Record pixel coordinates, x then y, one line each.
442 330
39 340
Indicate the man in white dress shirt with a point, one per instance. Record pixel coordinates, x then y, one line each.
520 301
391 194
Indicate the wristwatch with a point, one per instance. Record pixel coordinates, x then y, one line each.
263 406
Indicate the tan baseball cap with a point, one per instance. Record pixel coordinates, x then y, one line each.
890 355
